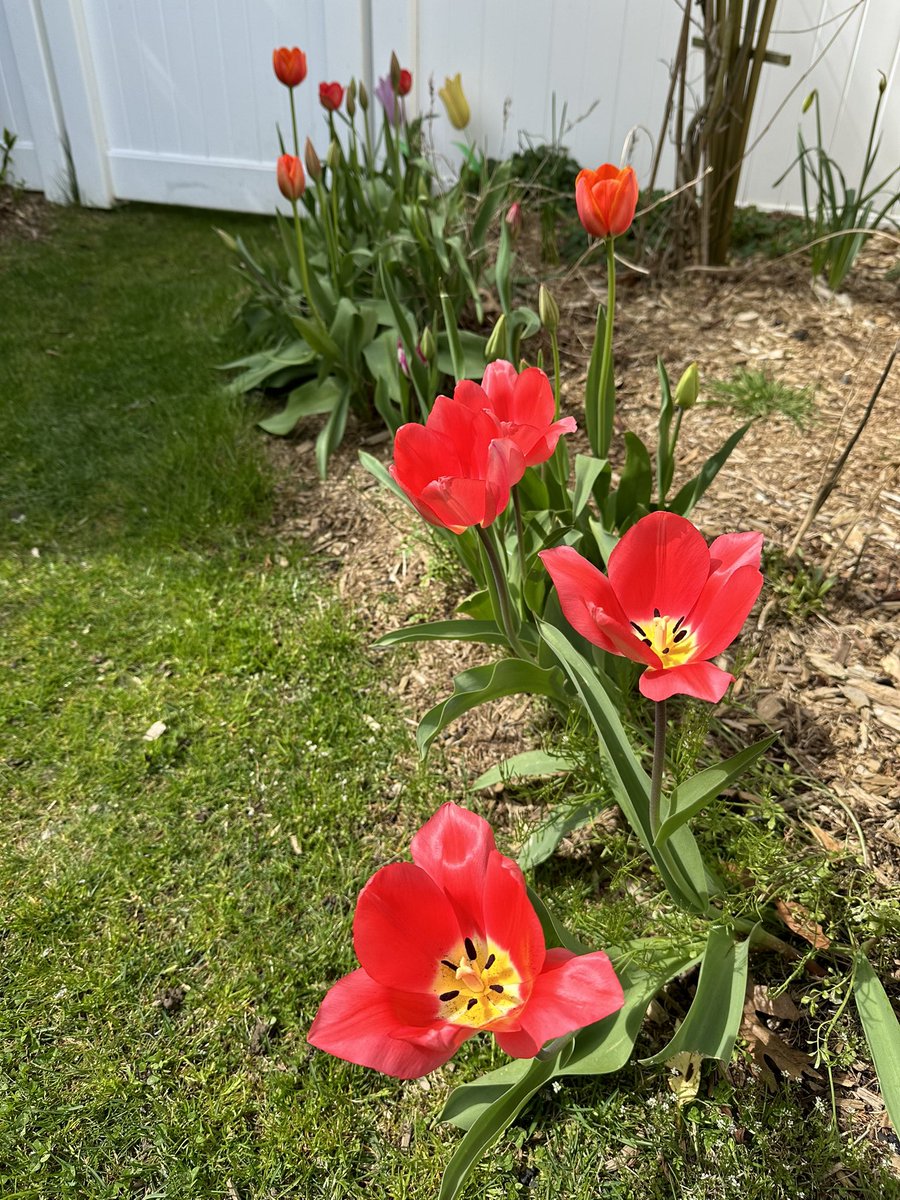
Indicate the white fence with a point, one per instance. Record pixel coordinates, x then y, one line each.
174 101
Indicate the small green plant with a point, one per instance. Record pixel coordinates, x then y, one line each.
754 394
840 219
7 142
800 586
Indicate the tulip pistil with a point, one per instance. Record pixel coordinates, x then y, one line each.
478 985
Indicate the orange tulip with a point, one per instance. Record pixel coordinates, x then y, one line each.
606 199
290 65
291 179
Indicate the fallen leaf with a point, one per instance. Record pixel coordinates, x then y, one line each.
156 730
781 1006
800 921
825 840
769 1050
684 1076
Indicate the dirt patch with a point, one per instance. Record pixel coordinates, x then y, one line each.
24 216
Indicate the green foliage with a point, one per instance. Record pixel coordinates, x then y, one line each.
756 395
7 144
799 587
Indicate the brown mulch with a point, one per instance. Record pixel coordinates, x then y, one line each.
24 216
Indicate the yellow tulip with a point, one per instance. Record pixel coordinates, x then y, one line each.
455 102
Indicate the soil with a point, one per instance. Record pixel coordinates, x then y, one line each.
24 216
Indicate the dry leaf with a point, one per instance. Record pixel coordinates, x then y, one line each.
684 1076
825 840
769 1050
781 1006
800 921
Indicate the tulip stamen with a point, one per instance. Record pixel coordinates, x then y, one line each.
470 949
471 1004
448 996
639 629
445 962
497 987
489 962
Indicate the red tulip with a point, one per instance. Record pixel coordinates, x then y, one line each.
522 407
291 179
290 65
606 199
330 96
404 85
668 601
455 469
449 945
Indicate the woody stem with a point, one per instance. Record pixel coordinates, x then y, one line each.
659 760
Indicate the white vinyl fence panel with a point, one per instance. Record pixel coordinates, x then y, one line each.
174 101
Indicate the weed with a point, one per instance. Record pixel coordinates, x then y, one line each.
753 395
799 587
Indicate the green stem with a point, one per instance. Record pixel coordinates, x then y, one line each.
554 346
304 270
659 761
294 124
520 537
607 385
503 599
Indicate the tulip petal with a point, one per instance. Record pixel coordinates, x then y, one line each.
421 455
460 503
393 1032
734 550
404 925
577 992
531 402
499 384
454 848
703 680
661 563
722 609
510 921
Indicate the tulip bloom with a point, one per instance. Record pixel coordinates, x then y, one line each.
455 469
449 945
667 601
404 84
606 199
330 96
384 90
455 102
521 406
291 179
289 65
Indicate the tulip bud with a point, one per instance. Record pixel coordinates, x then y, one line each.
882 83
513 218
333 157
548 309
363 97
807 103
351 99
402 360
496 343
313 165
395 71
688 388
428 346
291 181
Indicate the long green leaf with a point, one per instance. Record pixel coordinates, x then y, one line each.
528 765
444 631
695 793
592 400
331 436
587 471
543 842
665 464
635 484
488 682
316 396
713 1020
882 1030
469 1101
452 329
690 494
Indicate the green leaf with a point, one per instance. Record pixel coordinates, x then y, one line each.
452 330
882 1030
466 1103
316 396
436 631
502 268
540 844
636 483
592 400
555 932
665 461
330 437
527 765
472 345
587 471
695 793
318 338
692 491
713 1020
489 682
478 606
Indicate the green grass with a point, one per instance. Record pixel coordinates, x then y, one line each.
172 911
754 394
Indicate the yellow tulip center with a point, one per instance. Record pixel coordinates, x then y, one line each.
668 637
478 986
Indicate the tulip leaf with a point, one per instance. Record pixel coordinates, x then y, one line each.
472 346
466 1103
478 605
261 367
502 269
527 765
695 793
318 338
665 457
316 396
540 844
588 471
692 491
555 932
452 330
330 437
635 484
594 403
882 1030
380 472
713 1020
437 631
488 682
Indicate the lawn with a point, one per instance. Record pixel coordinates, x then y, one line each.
203 760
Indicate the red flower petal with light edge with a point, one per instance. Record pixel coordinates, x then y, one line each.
390 1031
573 992
454 848
734 550
404 926
509 917
722 609
662 562
703 680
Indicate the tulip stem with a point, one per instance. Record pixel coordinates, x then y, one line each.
607 384
501 590
659 760
304 270
520 540
294 124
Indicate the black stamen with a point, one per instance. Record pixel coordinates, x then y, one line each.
448 995
496 987
471 1004
634 625
656 612
489 963
445 962
678 624
470 948
680 636
647 642
665 650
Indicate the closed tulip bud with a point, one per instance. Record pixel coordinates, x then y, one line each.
882 83
428 346
808 102
455 102
395 72
496 343
333 157
513 218
688 388
351 99
291 179
330 96
313 165
405 85
363 97
548 309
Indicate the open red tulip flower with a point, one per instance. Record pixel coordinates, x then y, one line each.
330 96
606 199
289 65
450 945
668 601
522 407
456 469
